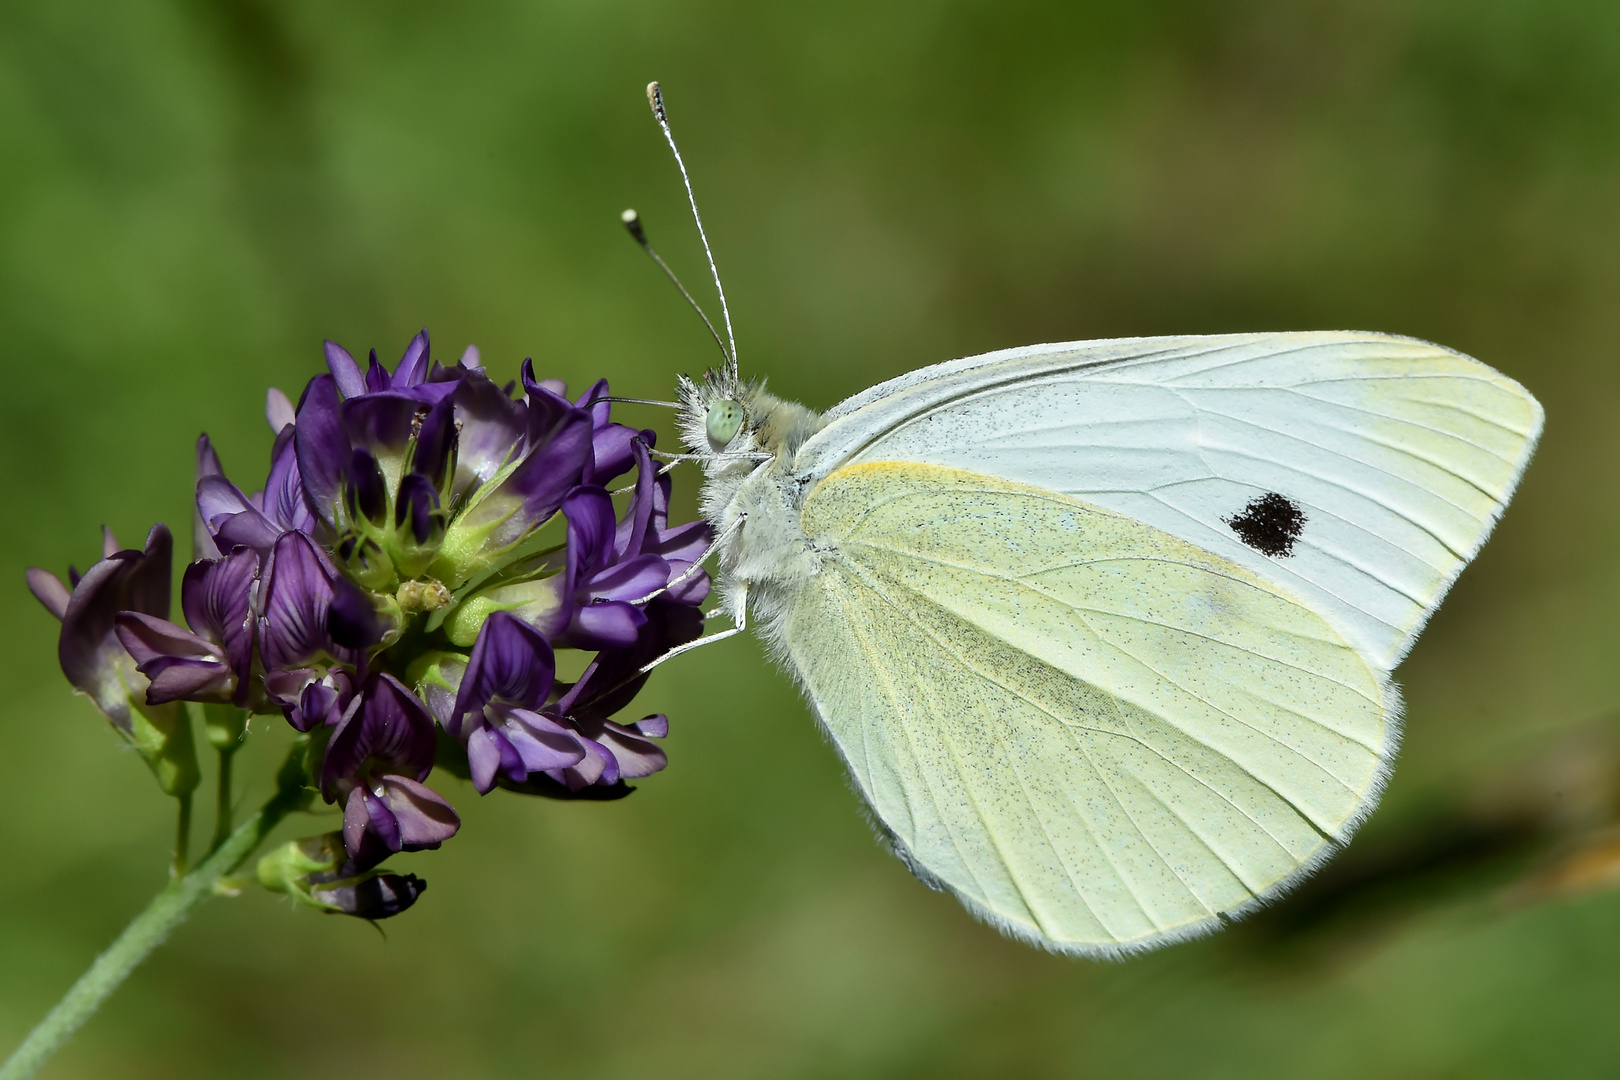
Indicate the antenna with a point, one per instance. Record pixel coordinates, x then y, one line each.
655 98
632 222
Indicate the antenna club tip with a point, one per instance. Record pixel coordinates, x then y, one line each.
655 98
632 222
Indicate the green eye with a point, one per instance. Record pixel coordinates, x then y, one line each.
725 419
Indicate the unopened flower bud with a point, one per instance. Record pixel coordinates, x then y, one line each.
317 871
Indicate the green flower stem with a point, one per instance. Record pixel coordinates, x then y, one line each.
151 926
222 802
182 836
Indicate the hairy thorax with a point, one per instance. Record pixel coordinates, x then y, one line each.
753 477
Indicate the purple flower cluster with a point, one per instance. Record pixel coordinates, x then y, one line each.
425 541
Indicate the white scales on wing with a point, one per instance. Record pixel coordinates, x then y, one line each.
1399 454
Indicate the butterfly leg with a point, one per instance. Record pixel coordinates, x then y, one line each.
739 607
697 564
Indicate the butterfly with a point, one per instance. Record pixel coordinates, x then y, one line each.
1104 631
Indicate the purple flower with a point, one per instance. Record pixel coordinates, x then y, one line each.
91 655
213 660
377 757
98 665
297 592
497 707
311 697
423 541
611 444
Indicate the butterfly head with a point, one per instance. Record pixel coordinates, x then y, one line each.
728 422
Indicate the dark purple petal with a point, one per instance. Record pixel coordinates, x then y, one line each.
284 500
327 700
389 727
558 446
180 664
655 726
542 743
490 754
413 366
380 424
636 755
202 537
345 372
690 592
366 494
629 580
322 446
605 625
278 411
425 819
492 430
176 679
310 697
216 597
297 600
148 581
380 896
348 748
594 401
418 499
48 590
364 813
377 378
612 451
684 543
248 529
352 620
436 442
511 663
207 459
631 533
91 656
147 638
382 822
591 530
597 766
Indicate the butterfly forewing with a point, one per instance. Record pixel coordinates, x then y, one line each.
1358 472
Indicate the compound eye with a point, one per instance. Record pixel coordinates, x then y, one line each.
725 419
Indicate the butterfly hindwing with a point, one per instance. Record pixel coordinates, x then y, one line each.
1098 735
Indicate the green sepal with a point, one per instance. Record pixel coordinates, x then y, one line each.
368 565
462 555
225 726
461 626
162 735
288 868
428 670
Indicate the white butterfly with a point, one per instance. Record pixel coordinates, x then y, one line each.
1104 630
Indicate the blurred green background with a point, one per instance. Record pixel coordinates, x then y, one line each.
193 193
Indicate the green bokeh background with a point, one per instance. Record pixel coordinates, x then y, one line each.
193 193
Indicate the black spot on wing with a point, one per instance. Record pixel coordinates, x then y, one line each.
1270 524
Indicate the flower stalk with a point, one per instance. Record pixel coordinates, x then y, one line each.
148 929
